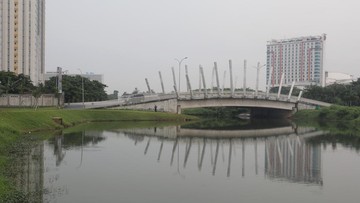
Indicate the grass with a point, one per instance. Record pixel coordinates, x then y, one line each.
17 124
332 113
25 120
339 120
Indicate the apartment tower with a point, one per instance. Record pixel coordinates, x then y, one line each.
22 38
299 59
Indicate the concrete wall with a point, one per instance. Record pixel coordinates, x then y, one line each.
27 100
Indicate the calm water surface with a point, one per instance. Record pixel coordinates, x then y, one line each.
256 162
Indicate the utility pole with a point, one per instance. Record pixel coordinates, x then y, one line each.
257 78
83 91
179 62
231 79
244 86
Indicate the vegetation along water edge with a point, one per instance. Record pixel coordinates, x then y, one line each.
18 125
337 119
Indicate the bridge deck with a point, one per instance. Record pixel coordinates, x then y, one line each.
128 102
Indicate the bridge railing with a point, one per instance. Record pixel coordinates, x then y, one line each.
248 95
211 95
146 99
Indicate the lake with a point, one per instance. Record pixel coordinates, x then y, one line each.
211 161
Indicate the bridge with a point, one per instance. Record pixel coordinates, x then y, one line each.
260 103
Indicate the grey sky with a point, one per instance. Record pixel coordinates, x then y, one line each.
128 40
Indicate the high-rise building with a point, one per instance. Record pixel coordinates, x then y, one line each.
22 38
298 59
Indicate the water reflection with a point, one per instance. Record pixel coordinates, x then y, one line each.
291 158
288 155
120 164
75 140
60 144
27 170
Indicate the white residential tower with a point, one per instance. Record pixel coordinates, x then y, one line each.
22 38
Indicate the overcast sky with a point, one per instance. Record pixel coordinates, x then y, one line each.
130 40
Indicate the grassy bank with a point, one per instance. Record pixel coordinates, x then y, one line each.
339 120
332 113
17 124
23 121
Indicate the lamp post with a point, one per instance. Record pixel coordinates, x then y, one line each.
257 77
180 61
82 86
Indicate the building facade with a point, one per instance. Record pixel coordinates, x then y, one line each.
22 38
298 59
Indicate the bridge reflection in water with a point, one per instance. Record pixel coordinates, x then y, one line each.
287 154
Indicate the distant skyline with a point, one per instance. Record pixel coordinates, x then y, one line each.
130 40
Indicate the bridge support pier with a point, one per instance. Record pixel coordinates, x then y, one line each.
178 109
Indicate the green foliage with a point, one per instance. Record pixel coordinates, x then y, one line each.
10 83
219 112
340 94
332 113
286 90
72 87
29 120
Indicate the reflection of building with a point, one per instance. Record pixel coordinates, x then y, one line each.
29 172
293 159
22 38
299 59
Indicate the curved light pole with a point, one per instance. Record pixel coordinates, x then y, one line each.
180 61
82 86
257 77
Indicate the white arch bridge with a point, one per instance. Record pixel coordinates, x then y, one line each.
261 104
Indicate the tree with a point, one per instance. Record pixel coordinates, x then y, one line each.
37 92
72 87
286 90
341 94
15 84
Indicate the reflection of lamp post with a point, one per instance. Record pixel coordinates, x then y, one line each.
82 148
82 85
180 61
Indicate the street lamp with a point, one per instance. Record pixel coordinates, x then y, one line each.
82 85
180 61
257 77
